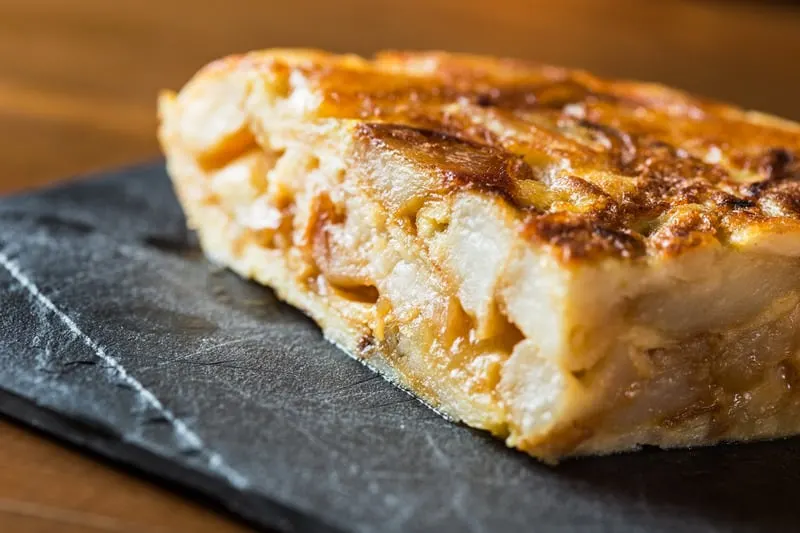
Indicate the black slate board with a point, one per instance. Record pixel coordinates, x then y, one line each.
115 334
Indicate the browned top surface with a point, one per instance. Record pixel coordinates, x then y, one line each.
595 166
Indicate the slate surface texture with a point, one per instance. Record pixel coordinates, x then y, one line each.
116 335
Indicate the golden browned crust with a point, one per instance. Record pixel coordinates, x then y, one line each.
443 218
597 167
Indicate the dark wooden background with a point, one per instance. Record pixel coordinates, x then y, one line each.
78 81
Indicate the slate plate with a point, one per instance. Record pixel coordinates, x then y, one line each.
116 335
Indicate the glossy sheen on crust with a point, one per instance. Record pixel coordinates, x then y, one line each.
595 168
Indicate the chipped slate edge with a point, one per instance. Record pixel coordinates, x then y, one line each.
256 509
192 440
224 484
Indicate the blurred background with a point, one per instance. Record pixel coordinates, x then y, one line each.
78 78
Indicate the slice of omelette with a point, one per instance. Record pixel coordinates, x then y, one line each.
578 265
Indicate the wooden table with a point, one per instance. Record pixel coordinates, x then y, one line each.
78 81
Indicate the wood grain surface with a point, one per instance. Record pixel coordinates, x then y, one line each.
78 82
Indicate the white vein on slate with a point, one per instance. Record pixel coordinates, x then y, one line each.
214 461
